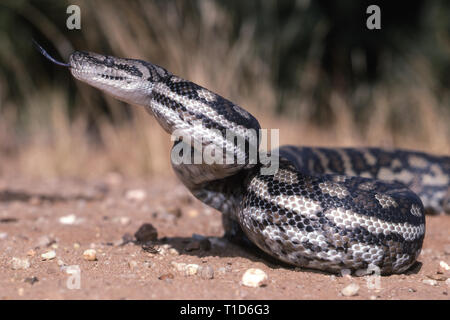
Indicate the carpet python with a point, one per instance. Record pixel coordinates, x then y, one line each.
325 208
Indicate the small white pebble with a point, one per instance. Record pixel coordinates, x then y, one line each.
447 282
254 278
18 264
430 282
444 265
124 221
3 235
132 264
136 195
179 266
350 290
207 272
191 269
76 246
173 251
90 255
60 263
49 255
68 220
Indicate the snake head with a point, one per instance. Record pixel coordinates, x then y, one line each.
129 80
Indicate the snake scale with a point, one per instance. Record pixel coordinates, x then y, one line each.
324 208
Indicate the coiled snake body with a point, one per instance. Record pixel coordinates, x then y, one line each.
327 209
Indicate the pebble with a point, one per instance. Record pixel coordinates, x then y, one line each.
68 220
146 232
124 221
31 280
254 278
173 251
49 255
31 253
430 282
437 277
191 269
207 272
350 290
166 276
444 266
223 270
132 264
136 195
60 263
76 246
90 255
179 266
19 264
447 282
43 241
3 235
150 249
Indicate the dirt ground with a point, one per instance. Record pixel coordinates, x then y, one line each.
69 217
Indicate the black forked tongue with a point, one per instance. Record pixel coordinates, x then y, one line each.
45 54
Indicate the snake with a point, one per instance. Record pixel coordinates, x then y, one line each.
326 209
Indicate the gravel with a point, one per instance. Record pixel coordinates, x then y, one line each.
207 272
254 278
350 290
49 255
90 255
146 232
19 263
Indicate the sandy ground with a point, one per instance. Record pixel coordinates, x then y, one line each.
69 217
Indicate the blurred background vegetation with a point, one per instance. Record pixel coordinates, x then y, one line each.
310 68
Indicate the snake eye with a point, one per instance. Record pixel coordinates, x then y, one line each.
109 62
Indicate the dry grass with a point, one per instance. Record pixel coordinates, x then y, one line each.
53 145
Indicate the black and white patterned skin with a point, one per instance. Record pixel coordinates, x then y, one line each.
327 209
